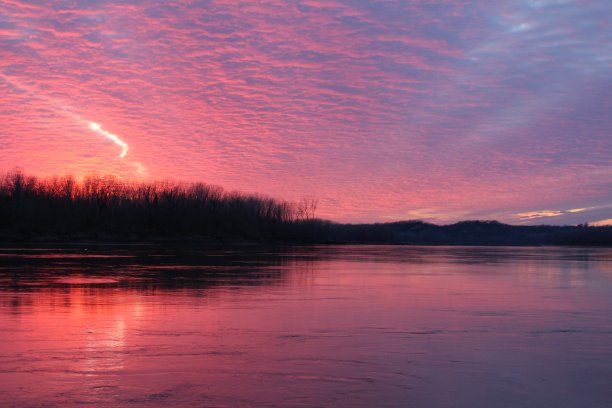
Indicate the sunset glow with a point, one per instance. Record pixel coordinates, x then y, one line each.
382 111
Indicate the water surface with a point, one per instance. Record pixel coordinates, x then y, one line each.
334 326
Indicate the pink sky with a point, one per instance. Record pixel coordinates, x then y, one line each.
380 110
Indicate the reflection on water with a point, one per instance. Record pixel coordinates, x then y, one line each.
338 326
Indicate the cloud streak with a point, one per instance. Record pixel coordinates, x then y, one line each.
96 127
67 111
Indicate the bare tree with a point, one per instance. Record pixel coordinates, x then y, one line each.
306 209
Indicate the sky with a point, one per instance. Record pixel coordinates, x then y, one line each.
381 110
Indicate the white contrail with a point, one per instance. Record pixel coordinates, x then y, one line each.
96 127
67 111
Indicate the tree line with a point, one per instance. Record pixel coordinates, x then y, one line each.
104 207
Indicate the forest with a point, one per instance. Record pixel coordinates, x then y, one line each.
105 208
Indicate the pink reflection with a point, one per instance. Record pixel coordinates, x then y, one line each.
352 328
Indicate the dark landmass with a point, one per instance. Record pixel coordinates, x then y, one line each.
475 233
106 209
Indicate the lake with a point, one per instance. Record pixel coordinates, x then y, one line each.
323 326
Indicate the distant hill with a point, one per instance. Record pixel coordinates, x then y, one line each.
474 233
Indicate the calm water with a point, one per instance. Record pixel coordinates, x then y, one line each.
345 326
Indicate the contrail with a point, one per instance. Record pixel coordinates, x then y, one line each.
96 127
66 111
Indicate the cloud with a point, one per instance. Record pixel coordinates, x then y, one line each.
379 109
539 214
602 223
577 215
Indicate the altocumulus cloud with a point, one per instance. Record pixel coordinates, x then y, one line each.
382 110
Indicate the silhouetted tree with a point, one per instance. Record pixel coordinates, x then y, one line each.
104 206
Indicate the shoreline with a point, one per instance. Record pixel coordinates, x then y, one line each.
201 241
